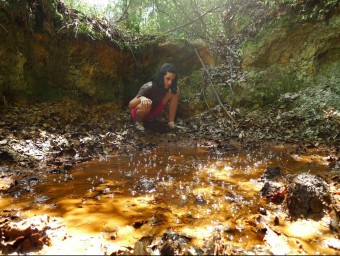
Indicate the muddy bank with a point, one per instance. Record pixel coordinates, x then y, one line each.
55 136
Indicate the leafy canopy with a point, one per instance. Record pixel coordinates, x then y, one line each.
182 18
190 18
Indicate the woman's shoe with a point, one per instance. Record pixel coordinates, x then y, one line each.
140 127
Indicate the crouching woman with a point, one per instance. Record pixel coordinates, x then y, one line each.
154 95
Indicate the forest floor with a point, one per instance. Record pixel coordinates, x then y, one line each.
55 137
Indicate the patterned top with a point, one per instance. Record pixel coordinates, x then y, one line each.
152 92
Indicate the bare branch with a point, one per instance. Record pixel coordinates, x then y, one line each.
194 20
123 16
4 28
216 94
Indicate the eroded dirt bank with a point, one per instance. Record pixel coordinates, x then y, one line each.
41 139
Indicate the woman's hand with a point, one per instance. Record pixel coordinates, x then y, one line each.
145 103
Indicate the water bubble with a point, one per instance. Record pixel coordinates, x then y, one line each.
227 168
215 206
210 228
219 228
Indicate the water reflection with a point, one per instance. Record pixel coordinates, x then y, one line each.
192 191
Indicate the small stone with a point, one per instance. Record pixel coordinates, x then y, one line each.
167 249
263 211
3 142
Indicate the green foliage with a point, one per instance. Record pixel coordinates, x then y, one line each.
318 108
257 93
205 19
181 19
191 86
305 9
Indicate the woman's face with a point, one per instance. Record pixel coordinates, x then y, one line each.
169 79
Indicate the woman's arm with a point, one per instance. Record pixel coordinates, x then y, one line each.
136 101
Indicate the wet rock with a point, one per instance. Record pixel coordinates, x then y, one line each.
271 173
200 200
157 219
307 196
67 166
175 237
139 224
273 191
6 156
262 211
167 249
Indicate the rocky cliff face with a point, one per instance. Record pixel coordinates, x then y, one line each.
44 58
296 52
47 53
287 50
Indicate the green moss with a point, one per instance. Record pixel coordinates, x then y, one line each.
265 88
38 89
191 85
86 29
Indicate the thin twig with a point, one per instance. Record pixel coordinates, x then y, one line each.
206 103
123 16
212 86
192 21
4 28
231 74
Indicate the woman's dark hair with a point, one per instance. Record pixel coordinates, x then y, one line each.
158 78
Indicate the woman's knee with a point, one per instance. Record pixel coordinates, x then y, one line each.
143 111
170 96
175 96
